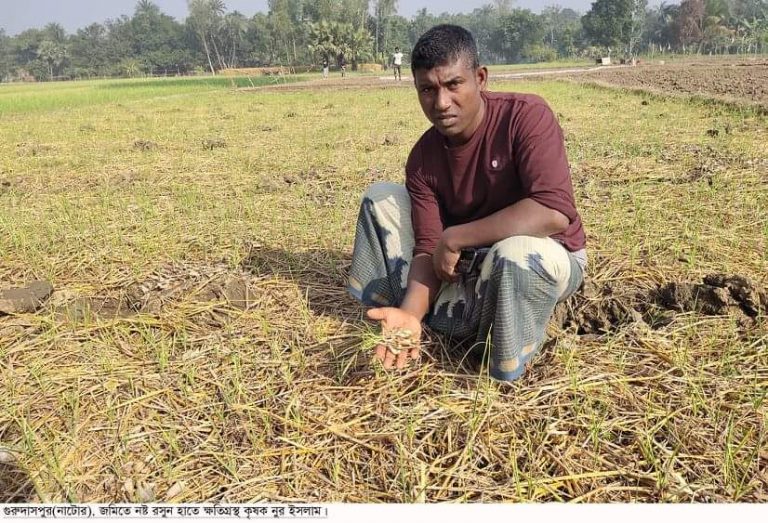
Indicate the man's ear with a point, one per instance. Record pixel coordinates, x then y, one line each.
481 76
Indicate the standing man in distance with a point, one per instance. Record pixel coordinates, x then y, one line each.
491 173
397 63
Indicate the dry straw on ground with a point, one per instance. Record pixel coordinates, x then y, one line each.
200 345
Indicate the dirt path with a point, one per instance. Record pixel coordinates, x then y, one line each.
388 82
741 81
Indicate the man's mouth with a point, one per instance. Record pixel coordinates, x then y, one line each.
446 119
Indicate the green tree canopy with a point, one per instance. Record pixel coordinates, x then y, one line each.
296 31
522 32
609 22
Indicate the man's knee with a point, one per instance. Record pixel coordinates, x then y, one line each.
390 204
381 191
523 257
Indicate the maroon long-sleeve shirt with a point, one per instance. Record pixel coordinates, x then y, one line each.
517 152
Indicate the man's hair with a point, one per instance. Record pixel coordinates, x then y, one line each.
444 44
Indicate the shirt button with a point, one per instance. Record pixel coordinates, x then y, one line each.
494 164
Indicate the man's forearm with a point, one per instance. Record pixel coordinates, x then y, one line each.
423 285
524 218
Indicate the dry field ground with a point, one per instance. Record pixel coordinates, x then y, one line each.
740 81
199 344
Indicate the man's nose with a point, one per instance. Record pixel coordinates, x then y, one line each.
442 100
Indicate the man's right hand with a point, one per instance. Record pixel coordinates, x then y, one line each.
444 261
393 320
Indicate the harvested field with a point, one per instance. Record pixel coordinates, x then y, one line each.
199 344
732 82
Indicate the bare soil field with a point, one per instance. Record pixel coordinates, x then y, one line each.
732 82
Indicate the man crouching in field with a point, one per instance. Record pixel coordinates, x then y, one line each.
485 238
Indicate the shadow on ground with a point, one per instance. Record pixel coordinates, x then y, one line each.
322 277
320 274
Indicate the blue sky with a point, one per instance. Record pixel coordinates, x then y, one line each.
18 15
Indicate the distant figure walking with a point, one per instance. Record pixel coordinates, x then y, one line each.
342 64
325 67
397 62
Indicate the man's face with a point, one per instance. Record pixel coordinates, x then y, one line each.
449 95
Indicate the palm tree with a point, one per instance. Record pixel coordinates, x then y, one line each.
384 9
715 27
329 39
147 7
234 26
718 8
202 15
53 54
55 33
216 8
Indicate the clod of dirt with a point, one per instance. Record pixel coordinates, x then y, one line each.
32 149
713 133
85 308
687 297
269 185
145 492
752 299
374 173
87 127
291 114
390 140
172 285
144 145
232 289
7 457
719 294
214 143
125 178
593 311
700 174
645 102
709 164
25 299
266 128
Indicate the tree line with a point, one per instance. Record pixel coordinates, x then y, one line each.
304 32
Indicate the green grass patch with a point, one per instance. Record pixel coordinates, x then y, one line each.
19 99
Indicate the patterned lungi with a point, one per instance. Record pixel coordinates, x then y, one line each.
505 307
